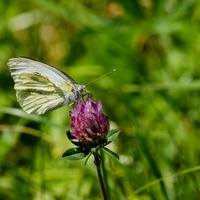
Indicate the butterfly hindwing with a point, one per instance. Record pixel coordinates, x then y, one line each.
37 94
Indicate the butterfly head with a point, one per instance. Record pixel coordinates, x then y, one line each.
81 90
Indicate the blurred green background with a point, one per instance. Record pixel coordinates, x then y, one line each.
153 98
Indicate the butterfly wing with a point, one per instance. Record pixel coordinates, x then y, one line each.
39 87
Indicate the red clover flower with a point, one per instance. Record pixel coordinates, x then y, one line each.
90 132
89 125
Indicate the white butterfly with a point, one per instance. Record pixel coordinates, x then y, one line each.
41 88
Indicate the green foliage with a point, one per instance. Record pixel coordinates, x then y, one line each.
112 135
153 97
76 153
83 151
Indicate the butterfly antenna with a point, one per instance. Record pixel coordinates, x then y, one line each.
101 77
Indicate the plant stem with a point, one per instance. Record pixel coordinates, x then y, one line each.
104 173
97 162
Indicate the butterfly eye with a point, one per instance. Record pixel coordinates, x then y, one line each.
80 88
83 88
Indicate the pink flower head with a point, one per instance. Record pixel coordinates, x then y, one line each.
89 125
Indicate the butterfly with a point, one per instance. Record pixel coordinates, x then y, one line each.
41 88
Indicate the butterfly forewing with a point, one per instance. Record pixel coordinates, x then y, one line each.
20 65
41 88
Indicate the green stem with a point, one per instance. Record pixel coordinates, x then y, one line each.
97 162
104 173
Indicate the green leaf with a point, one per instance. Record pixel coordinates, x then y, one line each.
112 135
111 152
76 153
88 157
92 151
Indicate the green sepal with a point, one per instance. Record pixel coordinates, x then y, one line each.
111 152
76 153
112 135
